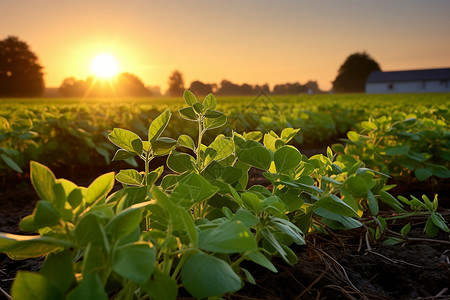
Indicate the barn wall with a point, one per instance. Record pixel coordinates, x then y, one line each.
430 86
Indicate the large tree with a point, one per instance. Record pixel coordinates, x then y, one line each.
20 72
353 73
176 84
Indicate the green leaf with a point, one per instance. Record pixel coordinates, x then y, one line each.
210 102
158 125
218 150
130 177
423 173
391 201
100 187
336 205
58 268
89 230
405 230
126 140
211 123
26 246
163 146
286 158
122 155
189 98
373 204
357 186
134 261
44 214
439 221
186 141
253 135
198 107
353 136
43 181
345 222
288 134
229 237
207 276
192 189
188 113
161 286
29 285
90 288
189 225
259 258
126 221
289 229
244 216
251 201
258 157
369 125
180 162
11 163
431 229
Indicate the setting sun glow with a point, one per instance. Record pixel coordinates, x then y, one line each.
104 66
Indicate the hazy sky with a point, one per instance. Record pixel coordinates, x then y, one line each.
253 41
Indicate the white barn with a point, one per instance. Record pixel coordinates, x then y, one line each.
414 81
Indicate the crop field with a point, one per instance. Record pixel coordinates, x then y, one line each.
192 195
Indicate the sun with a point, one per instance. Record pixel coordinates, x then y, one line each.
104 66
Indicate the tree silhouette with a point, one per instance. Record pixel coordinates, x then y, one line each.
20 72
200 88
353 73
176 84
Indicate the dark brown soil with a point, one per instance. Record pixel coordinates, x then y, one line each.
335 266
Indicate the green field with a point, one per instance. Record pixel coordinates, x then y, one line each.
65 131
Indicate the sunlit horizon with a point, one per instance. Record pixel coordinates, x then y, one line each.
241 41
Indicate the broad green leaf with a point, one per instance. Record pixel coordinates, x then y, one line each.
11 163
269 142
368 125
423 173
186 141
353 136
180 162
405 230
90 288
343 221
89 230
286 158
122 155
29 285
26 246
251 201
289 229
154 175
188 113
189 225
198 107
288 134
130 177
336 205
244 216
391 201
218 150
161 286
58 268
439 221
126 221
213 114
211 123
44 214
134 261
253 135
100 187
189 98
192 189
126 140
431 229
210 102
258 157
204 276
158 125
229 237
373 204
357 186
259 258
43 181
163 146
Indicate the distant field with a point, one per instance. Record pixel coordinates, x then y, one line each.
65 131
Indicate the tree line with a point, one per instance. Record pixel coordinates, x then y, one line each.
21 75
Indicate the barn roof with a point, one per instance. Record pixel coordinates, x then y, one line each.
412 75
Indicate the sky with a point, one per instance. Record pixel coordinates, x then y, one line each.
251 41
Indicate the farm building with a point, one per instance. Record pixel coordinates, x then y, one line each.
413 81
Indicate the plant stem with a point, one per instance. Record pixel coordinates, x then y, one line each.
199 143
